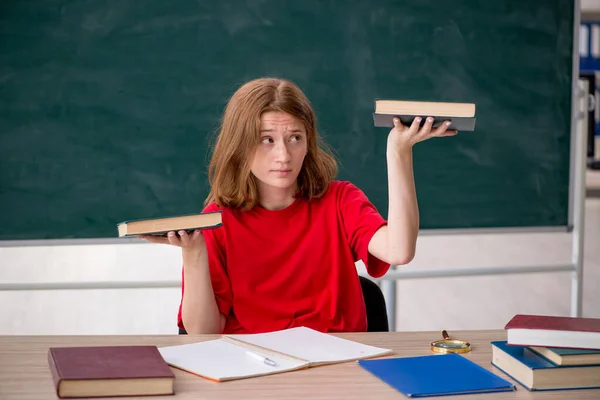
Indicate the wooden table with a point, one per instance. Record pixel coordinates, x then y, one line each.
24 372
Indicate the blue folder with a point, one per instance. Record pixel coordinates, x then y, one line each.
436 375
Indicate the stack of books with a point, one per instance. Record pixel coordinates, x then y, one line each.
550 353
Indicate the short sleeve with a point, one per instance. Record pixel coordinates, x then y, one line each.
361 221
217 263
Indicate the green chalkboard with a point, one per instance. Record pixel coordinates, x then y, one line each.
108 107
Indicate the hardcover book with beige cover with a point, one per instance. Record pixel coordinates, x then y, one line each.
460 115
160 226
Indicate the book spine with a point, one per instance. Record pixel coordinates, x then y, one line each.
56 378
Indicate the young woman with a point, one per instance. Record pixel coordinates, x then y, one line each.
285 255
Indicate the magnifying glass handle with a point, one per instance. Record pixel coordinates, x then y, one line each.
445 335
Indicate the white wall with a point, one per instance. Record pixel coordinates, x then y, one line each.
89 311
425 304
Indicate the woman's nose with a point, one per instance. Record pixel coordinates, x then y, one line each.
283 153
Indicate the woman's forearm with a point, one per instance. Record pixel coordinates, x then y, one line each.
403 211
199 310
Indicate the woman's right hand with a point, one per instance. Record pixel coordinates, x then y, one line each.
191 244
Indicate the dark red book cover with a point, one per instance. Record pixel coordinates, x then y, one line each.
544 322
106 362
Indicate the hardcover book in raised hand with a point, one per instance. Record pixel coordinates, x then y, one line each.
460 115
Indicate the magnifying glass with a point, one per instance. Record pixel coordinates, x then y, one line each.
449 345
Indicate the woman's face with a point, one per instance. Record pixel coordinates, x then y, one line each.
280 153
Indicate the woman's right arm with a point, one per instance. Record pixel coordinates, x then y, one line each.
199 310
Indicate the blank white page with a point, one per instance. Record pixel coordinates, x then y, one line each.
312 346
219 360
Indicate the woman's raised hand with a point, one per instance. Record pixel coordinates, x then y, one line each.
405 137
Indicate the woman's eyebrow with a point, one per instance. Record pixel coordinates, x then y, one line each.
293 130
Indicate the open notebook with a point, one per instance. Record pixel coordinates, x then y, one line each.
244 356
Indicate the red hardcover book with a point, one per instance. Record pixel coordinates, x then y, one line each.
107 371
552 331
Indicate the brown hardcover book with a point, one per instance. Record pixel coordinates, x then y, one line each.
109 371
460 115
160 226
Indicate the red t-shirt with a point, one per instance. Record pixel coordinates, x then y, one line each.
274 270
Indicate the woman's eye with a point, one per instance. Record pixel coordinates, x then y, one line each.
296 138
267 140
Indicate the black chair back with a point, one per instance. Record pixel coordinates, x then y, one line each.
377 319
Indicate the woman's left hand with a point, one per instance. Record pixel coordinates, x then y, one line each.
404 137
